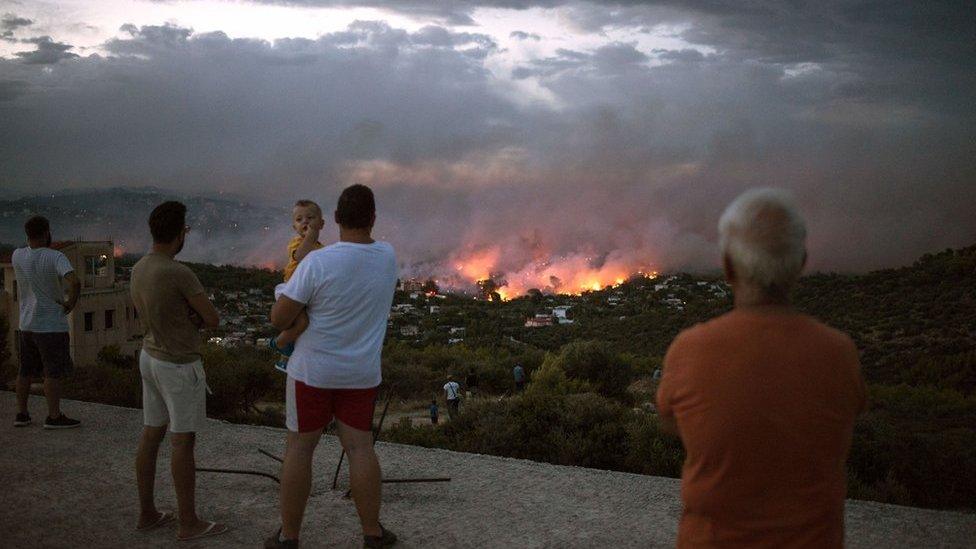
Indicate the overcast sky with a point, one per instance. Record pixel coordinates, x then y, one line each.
528 132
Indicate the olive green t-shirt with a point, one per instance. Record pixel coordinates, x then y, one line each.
160 288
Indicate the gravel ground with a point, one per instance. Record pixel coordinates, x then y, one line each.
75 488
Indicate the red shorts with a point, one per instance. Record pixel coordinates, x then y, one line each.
312 408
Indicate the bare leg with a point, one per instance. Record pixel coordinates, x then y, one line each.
184 480
146 473
296 480
23 393
52 390
290 335
364 476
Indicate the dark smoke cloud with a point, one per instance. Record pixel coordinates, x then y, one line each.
864 112
9 23
48 52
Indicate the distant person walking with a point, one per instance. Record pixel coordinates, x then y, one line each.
347 290
452 392
172 307
43 342
763 397
433 412
519 374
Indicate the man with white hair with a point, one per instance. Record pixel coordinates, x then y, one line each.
763 397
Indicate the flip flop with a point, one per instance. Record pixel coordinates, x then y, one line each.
211 530
165 517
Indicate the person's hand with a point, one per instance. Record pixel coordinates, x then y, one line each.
313 228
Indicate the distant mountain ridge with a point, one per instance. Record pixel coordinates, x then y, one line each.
225 229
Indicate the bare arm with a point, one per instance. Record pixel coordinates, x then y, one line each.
201 304
74 290
309 242
284 312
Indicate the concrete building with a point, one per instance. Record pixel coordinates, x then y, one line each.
104 314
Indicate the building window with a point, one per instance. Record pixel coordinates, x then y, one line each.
95 266
109 319
89 322
128 314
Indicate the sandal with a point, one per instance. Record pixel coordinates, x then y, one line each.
213 529
165 517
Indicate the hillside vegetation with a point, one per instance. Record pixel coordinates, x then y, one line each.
589 399
915 326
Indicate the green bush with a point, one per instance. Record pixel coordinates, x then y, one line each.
419 372
568 429
239 378
917 446
597 365
653 452
412 380
105 383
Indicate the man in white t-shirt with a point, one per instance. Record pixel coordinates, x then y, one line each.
347 290
43 343
452 392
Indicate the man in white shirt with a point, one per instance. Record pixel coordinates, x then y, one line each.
452 392
43 343
347 290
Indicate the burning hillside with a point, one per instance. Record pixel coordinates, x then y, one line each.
487 270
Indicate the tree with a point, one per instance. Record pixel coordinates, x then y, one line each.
596 363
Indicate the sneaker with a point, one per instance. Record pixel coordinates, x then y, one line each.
23 420
274 542
287 349
61 422
375 542
284 352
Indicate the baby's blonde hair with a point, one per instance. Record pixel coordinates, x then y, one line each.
309 203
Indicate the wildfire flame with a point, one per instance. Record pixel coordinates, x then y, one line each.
574 274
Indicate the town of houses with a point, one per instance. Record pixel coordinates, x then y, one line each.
105 316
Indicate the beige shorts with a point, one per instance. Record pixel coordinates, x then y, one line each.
173 393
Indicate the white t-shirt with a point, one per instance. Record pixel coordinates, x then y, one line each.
39 272
347 290
452 389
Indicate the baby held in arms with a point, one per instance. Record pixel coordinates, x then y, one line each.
307 221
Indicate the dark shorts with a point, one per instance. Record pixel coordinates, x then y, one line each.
312 408
44 354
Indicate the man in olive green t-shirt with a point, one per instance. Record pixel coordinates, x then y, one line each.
172 307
